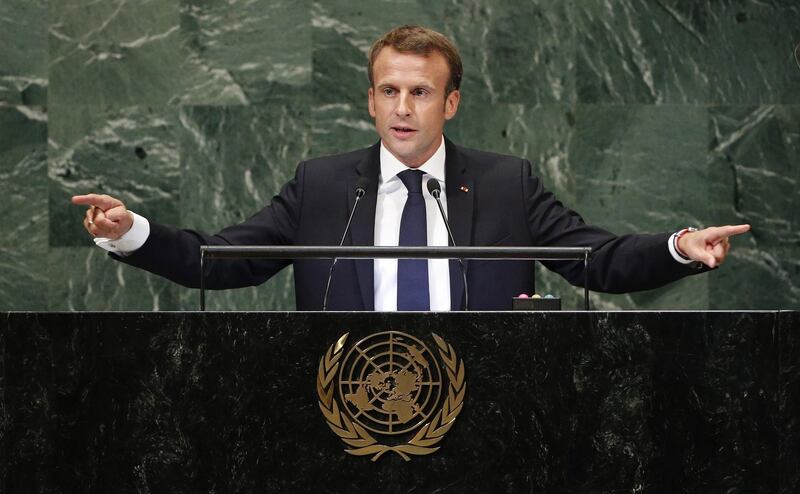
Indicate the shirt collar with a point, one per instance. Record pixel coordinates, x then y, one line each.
391 166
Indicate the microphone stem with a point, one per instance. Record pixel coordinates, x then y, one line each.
436 195
359 195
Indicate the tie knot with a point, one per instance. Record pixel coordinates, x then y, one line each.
412 179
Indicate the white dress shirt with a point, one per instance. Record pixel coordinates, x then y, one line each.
392 195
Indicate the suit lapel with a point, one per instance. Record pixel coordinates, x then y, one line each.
459 185
362 230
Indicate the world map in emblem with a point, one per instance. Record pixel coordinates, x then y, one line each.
390 382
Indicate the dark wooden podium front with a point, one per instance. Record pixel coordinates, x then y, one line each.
554 402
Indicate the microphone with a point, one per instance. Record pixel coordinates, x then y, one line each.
361 189
436 191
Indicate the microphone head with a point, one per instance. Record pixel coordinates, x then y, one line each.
434 188
361 186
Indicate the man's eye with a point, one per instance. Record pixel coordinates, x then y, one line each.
388 91
420 92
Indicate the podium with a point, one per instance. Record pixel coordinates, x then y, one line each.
553 402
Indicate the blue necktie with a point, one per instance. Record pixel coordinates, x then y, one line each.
412 274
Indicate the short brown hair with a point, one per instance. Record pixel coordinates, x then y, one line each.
420 41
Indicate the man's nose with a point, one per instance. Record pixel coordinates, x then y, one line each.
404 105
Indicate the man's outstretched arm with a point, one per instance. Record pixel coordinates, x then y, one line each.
175 253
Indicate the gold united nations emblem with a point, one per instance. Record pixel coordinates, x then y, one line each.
389 387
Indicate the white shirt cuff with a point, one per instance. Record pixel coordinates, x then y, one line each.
131 241
675 255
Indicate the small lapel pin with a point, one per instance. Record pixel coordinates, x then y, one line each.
464 188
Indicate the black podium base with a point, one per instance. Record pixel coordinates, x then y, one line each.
554 402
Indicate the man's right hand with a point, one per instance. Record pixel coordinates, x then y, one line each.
106 217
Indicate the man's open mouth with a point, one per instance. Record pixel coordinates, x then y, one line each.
403 131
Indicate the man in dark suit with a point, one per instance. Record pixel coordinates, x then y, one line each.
491 199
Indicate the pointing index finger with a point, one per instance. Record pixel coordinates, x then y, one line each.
102 201
731 230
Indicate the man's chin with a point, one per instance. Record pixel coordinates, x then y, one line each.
408 155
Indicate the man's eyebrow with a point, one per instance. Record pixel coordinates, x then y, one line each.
422 85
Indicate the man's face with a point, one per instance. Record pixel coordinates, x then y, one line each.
408 103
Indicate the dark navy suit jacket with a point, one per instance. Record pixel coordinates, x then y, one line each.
492 200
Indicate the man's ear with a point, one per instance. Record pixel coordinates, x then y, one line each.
451 104
371 102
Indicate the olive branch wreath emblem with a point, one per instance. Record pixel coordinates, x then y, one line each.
361 442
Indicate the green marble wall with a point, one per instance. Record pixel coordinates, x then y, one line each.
643 115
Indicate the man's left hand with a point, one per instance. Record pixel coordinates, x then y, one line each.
710 246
